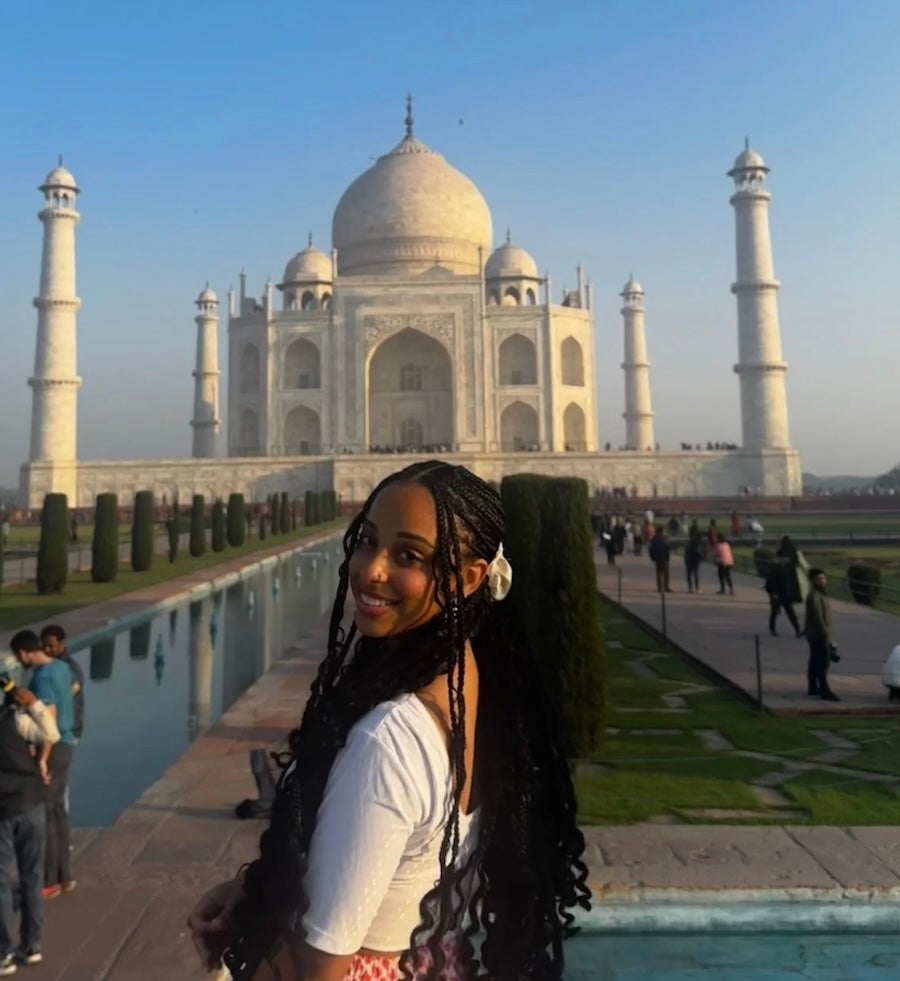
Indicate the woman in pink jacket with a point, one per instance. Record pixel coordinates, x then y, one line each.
724 562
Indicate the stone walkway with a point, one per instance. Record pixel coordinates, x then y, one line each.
720 631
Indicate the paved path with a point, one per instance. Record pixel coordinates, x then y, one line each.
721 631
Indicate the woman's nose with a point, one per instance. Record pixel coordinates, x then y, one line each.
376 568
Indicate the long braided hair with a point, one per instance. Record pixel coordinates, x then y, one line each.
526 865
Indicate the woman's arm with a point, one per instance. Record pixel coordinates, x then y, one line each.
306 964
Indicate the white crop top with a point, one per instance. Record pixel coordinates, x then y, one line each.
375 850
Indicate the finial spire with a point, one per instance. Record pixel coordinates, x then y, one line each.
746 142
60 160
508 236
309 240
410 122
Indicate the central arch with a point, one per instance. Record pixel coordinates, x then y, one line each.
302 432
410 390
519 427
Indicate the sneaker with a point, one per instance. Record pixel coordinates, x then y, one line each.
8 966
68 885
30 955
829 696
51 892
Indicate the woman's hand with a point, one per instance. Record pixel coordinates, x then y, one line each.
210 919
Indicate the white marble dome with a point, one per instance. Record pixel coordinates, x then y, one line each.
510 261
408 211
61 178
308 266
748 159
632 286
207 296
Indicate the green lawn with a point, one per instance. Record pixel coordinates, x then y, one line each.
654 763
21 604
810 523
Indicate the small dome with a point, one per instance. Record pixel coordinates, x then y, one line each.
632 286
510 261
310 265
747 159
59 177
207 296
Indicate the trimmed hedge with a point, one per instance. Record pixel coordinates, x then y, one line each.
274 514
311 509
235 520
570 640
262 524
142 531
522 495
864 582
219 539
764 558
53 550
294 507
105 546
173 529
197 542
284 513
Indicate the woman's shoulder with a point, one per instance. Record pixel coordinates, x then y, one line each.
403 725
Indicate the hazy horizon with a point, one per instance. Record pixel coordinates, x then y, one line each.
204 144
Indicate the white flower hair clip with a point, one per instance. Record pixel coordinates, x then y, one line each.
499 575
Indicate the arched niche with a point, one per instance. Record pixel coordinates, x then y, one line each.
574 428
572 360
410 378
511 297
519 427
248 369
302 365
302 431
518 361
249 430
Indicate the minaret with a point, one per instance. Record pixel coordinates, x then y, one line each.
638 414
55 382
206 376
764 418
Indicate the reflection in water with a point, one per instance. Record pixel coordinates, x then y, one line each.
102 654
142 716
139 642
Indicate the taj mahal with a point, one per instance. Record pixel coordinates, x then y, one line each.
413 335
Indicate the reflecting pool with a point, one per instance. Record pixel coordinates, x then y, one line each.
154 686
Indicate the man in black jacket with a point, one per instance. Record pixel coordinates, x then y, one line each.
25 722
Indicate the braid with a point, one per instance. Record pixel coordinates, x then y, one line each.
525 872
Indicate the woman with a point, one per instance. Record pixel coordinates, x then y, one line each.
427 801
724 564
693 557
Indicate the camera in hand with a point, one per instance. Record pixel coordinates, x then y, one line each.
6 684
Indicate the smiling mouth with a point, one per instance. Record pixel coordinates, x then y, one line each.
375 601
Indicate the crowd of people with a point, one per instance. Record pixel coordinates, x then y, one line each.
41 723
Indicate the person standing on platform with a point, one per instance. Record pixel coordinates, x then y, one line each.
660 553
51 682
24 723
778 587
693 557
819 637
724 564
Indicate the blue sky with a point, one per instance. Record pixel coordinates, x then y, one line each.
208 136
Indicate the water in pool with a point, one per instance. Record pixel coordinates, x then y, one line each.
733 957
151 688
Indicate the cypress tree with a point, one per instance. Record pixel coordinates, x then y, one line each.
53 550
570 638
294 506
105 547
142 532
173 528
218 527
235 520
262 524
284 513
197 546
309 508
522 496
274 517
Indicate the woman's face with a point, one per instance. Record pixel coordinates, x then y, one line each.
391 571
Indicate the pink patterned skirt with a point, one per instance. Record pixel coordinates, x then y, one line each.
373 967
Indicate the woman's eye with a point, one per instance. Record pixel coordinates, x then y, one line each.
407 556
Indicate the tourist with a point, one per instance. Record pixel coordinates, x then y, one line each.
660 551
378 835
51 682
819 637
27 734
53 641
693 557
712 534
797 579
724 564
735 525
777 585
